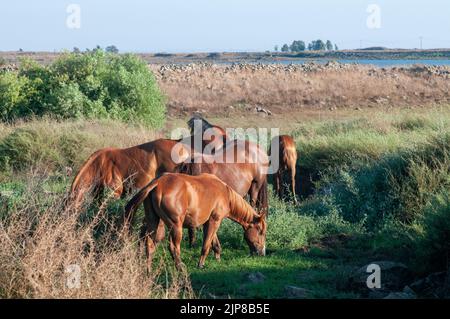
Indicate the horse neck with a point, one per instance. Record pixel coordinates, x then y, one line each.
240 211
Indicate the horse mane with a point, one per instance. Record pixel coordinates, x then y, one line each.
240 210
185 168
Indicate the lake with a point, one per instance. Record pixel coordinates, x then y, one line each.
378 63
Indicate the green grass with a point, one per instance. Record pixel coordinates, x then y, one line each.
381 194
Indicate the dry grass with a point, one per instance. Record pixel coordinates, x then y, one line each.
222 90
64 145
40 239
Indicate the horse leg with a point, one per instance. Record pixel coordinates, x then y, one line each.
152 223
209 232
216 247
277 183
293 183
176 235
191 232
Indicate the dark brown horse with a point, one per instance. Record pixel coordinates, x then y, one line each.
245 172
210 135
180 200
287 157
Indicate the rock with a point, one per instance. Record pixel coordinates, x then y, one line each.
394 276
296 292
400 295
378 294
434 285
261 110
256 277
407 293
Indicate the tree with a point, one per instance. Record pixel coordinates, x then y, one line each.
285 48
336 47
310 46
276 48
317 45
112 49
76 50
329 45
298 46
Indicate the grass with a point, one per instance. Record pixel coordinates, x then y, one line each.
379 195
234 90
42 243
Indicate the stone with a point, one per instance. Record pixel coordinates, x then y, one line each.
256 277
400 295
394 277
296 292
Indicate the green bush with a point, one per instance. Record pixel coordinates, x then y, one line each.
11 93
433 249
89 85
23 148
396 183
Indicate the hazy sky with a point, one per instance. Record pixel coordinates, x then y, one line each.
220 25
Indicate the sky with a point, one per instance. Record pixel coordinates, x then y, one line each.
220 25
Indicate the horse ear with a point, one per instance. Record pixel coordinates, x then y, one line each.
262 216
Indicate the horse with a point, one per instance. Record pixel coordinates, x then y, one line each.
245 172
122 169
287 157
212 136
180 200
134 167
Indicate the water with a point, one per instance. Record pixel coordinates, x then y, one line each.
378 63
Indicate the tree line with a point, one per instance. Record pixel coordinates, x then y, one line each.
299 46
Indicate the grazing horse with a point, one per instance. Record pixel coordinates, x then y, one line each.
212 136
246 173
180 200
123 169
287 157
134 167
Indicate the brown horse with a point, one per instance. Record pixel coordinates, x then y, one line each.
180 200
244 174
123 169
212 136
134 167
287 157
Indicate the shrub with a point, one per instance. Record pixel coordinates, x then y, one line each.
41 240
433 249
90 85
393 181
23 148
11 93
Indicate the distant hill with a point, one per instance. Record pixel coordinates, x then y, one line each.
375 49
370 53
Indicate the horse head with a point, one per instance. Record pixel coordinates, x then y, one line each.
255 235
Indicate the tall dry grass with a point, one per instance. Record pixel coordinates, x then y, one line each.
220 89
42 243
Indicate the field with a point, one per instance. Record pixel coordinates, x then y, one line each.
373 179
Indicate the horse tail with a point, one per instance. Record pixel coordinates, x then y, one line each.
262 198
137 200
84 178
